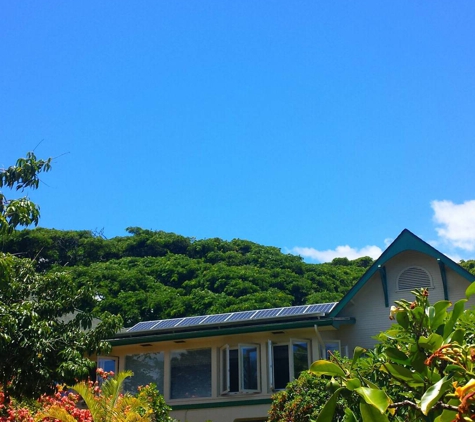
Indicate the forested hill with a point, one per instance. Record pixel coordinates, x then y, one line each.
154 275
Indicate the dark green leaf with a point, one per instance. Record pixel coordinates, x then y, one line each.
324 367
369 413
326 414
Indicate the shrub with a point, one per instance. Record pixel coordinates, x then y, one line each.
422 369
301 401
94 403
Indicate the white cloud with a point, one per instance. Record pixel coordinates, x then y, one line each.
456 223
339 252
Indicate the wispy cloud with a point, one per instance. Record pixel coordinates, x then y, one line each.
345 251
456 223
455 227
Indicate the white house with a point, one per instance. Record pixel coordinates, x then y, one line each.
224 368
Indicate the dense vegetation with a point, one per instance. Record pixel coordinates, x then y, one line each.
154 275
422 369
46 320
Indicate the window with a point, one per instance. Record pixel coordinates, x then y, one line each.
190 373
287 361
108 364
240 369
331 347
414 278
147 368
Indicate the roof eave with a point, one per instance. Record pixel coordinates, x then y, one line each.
125 339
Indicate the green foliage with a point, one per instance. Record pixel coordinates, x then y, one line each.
155 275
149 394
468 265
302 400
21 211
45 319
43 335
106 403
422 368
101 401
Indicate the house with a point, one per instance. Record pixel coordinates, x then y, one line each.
224 368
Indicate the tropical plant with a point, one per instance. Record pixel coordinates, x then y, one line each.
421 370
68 405
106 403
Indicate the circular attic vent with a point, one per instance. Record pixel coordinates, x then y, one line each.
414 278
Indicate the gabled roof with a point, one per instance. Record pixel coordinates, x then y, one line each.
406 241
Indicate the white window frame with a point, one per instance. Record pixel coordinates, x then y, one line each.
291 354
225 378
290 346
225 370
270 363
241 369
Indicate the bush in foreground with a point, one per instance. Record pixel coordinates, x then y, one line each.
91 402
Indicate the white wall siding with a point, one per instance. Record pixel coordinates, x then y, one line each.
370 313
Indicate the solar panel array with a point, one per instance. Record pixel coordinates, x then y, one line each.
197 321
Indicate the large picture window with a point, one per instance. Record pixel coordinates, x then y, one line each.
240 369
147 368
287 361
190 373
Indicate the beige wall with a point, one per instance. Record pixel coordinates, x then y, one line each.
228 413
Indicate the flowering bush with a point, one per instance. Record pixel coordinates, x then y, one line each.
97 401
27 411
156 402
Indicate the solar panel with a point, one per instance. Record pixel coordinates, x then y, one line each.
294 310
239 316
321 308
287 311
267 313
216 318
191 321
143 326
168 323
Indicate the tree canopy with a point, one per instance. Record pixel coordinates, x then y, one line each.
155 274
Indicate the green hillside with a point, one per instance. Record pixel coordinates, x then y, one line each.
155 275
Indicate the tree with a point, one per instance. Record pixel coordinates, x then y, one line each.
25 174
45 320
422 369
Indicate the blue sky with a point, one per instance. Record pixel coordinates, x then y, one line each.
306 125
